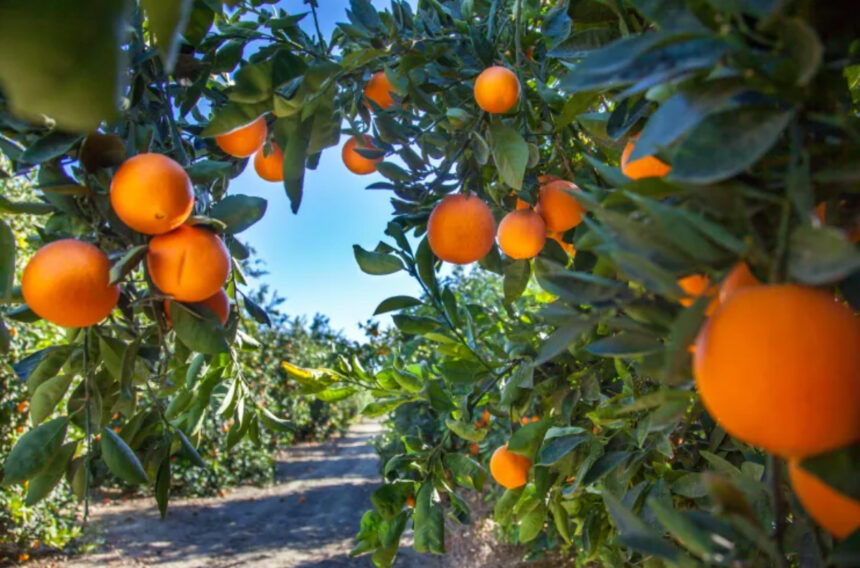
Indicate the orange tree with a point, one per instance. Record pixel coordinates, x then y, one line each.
660 145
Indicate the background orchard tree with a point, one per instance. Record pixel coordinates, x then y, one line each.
664 145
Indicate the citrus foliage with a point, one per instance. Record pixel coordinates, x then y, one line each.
698 134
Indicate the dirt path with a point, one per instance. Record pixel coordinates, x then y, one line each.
306 520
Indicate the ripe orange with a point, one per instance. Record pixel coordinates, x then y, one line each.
696 285
151 194
66 283
522 234
776 366
838 513
22 407
510 470
485 417
559 209
245 140
461 229
271 167
410 500
497 89
740 277
645 167
218 303
474 449
189 263
355 162
378 90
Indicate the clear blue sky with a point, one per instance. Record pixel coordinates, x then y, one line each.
309 256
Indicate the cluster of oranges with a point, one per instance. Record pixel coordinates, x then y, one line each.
67 281
249 140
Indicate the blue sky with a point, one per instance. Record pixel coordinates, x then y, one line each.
309 256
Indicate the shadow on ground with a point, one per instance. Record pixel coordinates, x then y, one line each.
306 520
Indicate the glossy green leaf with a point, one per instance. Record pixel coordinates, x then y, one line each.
821 255
128 262
727 143
121 459
428 521
34 451
200 333
238 212
41 486
7 261
376 263
510 154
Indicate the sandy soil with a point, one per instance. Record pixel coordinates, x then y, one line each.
306 520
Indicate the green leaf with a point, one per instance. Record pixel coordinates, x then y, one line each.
120 459
527 439
575 287
49 147
682 528
5 338
559 339
504 507
821 255
804 47
510 153
376 263
396 303
7 261
391 498
428 521
129 260
559 442
256 312
336 394
234 115
200 333
414 325
63 59
38 367
238 212
728 142
167 20
275 423
162 486
41 486
517 275
531 524
466 430
382 407
625 344
47 396
34 451
293 136
837 469
189 449
208 170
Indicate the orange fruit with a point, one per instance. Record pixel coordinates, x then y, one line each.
510 470
559 209
189 263
497 89
645 167
524 420
271 167
485 417
522 234
838 513
22 407
776 366
151 194
461 229
738 278
696 285
66 283
474 449
410 500
522 204
218 303
245 140
355 162
378 90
